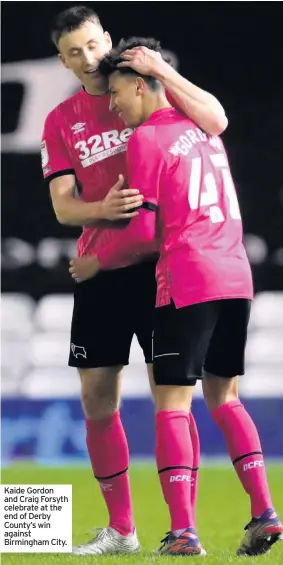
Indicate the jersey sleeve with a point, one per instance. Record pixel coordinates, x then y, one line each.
145 164
54 156
138 239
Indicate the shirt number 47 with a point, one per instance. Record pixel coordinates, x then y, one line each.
209 196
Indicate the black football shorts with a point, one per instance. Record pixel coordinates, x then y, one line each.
209 336
108 310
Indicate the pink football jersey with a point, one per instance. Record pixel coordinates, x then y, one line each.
82 137
186 174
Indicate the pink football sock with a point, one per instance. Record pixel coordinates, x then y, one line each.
109 454
196 461
174 457
244 448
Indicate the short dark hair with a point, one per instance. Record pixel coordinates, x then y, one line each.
70 20
109 63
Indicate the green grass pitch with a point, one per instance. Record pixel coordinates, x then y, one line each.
223 511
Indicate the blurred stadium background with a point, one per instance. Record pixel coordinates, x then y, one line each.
232 51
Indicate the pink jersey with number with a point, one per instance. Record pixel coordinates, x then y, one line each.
186 173
82 137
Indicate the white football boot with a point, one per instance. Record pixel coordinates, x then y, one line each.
108 541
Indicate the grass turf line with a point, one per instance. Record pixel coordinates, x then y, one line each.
223 511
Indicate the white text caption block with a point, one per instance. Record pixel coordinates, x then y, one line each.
36 519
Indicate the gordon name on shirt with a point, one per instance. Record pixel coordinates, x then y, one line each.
185 142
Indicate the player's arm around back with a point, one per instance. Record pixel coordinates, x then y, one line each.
144 164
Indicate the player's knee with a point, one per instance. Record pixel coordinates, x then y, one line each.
219 390
99 402
152 384
173 398
100 392
173 389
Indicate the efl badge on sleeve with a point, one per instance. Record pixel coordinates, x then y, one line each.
44 154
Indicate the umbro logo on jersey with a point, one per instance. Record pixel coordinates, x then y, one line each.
78 127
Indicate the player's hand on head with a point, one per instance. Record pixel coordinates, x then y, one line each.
121 203
83 268
142 60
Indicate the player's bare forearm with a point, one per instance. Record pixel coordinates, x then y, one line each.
199 105
119 203
73 212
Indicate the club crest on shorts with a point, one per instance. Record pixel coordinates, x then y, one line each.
78 350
